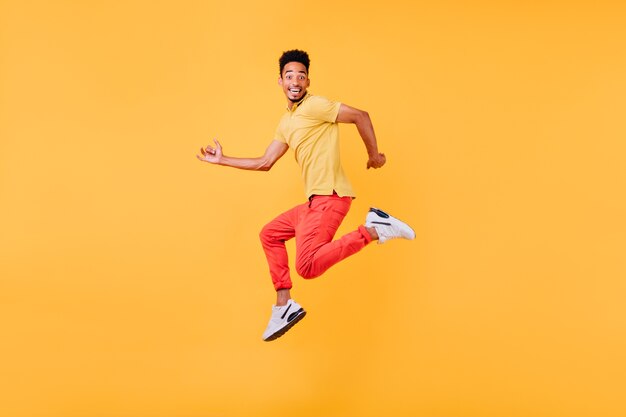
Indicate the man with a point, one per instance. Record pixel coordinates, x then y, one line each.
310 128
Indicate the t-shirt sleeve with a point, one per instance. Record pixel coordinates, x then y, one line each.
324 109
280 135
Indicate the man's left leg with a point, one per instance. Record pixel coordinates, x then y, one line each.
315 249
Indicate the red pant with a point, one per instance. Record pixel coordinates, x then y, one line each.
313 224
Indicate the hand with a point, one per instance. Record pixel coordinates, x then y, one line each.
376 161
210 154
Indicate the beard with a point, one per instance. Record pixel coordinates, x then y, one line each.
300 99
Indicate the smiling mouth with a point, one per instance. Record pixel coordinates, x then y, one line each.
295 90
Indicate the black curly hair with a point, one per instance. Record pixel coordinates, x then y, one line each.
294 55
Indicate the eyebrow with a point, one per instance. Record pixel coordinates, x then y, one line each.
301 72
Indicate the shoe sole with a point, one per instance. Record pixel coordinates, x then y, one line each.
301 313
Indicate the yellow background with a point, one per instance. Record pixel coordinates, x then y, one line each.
132 282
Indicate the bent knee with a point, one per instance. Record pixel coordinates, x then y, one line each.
265 235
307 271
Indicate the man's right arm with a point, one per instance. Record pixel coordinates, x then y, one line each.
273 153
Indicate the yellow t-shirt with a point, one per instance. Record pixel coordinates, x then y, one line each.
310 129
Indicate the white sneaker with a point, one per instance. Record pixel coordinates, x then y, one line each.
388 227
283 318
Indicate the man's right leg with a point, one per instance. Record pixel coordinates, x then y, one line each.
273 236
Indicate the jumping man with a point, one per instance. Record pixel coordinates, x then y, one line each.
310 128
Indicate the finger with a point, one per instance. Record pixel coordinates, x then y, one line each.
202 151
218 145
200 158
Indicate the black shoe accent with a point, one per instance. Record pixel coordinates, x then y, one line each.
294 317
285 313
386 224
379 212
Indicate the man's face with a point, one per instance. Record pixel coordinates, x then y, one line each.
294 80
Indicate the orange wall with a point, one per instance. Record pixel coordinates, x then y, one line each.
132 282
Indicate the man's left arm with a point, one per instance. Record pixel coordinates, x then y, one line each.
364 125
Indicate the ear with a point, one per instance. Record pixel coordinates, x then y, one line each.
308 82
280 81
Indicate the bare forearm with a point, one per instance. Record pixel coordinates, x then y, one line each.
215 155
250 164
364 125
366 131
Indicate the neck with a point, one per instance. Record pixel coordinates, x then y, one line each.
290 102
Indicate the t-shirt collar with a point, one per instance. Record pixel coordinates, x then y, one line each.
298 103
